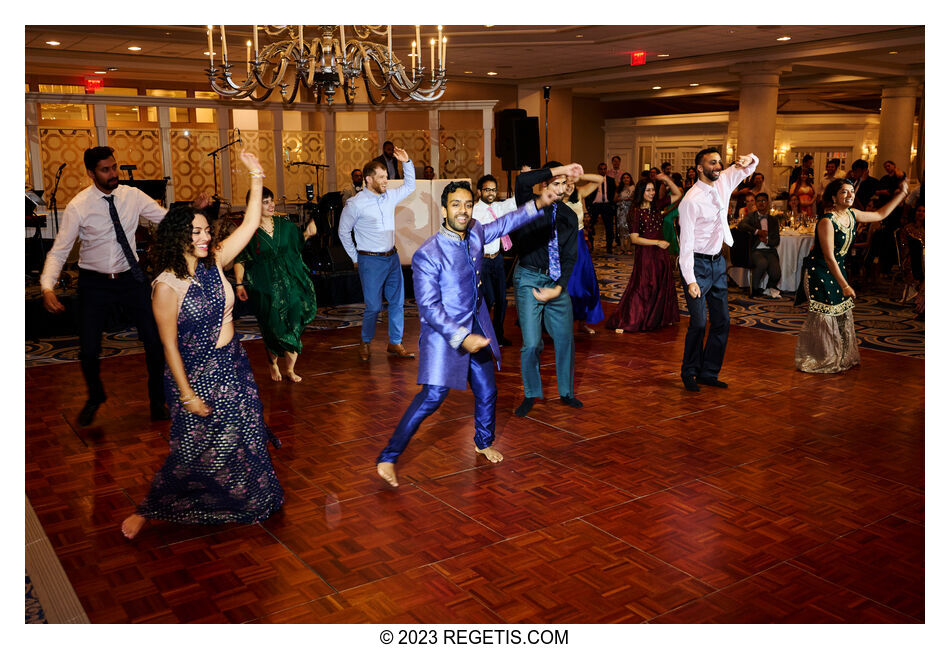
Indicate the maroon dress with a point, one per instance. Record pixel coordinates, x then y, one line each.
649 301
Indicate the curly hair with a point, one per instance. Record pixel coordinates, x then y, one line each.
174 238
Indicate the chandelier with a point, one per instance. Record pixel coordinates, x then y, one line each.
327 64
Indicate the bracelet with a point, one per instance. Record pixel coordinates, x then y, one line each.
238 284
189 399
257 174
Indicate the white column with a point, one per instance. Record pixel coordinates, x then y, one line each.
488 122
434 141
279 190
165 138
758 107
36 154
224 159
897 127
99 119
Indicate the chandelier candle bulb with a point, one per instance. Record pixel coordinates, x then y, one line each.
418 40
256 49
432 56
249 58
301 41
343 41
224 46
445 46
389 42
210 46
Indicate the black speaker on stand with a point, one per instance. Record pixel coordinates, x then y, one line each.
517 141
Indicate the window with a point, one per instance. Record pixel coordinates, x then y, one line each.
174 114
205 115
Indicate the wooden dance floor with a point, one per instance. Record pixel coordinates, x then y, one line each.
785 498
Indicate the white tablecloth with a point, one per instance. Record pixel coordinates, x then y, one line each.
792 248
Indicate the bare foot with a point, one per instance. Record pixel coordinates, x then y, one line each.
491 454
275 372
387 471
132 525
293 376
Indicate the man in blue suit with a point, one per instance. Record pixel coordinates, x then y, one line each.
457 341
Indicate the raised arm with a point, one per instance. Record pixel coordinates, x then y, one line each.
675 192
587 184
234 244
409 174
881 213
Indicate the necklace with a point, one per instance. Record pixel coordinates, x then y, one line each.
837 216
264 225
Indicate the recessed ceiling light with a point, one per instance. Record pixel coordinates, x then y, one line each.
662 55
135 48
112 69
491 74
468 72
99 72
784 38
53 43
893 52
657 87
693 85
579 36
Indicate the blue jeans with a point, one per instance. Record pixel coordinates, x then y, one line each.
558 318
701 360
481 376
379 276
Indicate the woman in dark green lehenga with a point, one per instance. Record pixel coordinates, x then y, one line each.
271 273
826 342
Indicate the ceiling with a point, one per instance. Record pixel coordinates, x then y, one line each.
836 63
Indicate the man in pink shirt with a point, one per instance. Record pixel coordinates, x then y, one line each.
704 226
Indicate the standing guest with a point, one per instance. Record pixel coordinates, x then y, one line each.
582 286
826 342
615 171
807 166
370 216
704 226
271 273
355 186
624 198
763 248
428 172
456 341
833 171
494 280
649 301
662 191
805 190
547 249
865 185
690 179
218 469
887 187
104 217
390 162
911 240
600 204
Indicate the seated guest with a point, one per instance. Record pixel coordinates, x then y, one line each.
763 248
355 186
428 173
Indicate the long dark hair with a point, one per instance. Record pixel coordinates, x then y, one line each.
620 180
828 198
638 193
173 238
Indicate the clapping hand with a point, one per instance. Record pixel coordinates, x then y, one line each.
400 154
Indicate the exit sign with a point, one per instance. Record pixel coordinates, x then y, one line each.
638 58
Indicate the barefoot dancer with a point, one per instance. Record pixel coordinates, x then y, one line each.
272 274
456 341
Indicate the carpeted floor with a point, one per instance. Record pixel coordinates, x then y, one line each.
34 610
880 323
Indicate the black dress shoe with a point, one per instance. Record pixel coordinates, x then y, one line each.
690 383
504 342
573 402
525 407
716 383
88 412
160 412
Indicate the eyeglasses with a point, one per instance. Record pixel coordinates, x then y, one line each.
489 190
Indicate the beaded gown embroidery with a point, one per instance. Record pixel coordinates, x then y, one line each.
218 469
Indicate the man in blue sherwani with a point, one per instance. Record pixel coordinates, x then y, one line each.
457 340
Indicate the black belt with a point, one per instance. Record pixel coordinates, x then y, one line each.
389 253
543 271
709 257
92 273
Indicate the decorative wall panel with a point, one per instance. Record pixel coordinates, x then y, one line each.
139 147
192 169
416 144
59 145
303 146
353 150
261 144
461 154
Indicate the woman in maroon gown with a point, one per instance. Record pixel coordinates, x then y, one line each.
649 301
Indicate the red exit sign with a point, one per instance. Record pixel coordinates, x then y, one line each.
638 58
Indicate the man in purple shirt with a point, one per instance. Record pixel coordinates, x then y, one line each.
704 226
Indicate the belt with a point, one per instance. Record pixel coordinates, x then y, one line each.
92 273
543 271
709 257
388 253
492 256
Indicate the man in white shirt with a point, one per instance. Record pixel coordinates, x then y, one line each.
104 217
704 226
488 209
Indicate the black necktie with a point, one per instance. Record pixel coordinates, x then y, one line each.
123 241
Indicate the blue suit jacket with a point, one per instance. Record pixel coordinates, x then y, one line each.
446 276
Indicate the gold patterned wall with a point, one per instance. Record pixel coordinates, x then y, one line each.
416 144
461 154
192 168
29 176
59 145
139 147
353 150
303 146
261 144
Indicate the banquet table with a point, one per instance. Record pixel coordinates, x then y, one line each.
793 246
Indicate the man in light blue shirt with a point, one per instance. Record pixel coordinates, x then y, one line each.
370 216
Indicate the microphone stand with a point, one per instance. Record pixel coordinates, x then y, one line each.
214 162
51 201
316 167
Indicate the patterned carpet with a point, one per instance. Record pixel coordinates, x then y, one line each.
880 323
34 610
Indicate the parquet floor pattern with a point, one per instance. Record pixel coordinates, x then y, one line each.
785 498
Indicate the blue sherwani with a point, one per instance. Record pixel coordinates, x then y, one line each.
446 276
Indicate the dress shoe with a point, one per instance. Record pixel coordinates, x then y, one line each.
364 351
88 412
399 351
716 383
525 407
159 412
690 383
504 342
573 402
